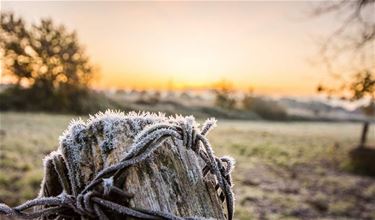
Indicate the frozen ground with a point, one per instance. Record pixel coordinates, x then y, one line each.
295 170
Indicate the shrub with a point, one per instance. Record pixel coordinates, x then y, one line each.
224 95
267 109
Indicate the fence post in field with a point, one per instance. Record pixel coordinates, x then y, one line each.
362 143
170 173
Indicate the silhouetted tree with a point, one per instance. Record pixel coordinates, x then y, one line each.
353 39
46 62
224 97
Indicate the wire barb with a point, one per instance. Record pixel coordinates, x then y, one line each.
93 201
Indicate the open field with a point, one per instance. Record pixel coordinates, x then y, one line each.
296 170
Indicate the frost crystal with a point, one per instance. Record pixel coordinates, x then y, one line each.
85 142
111 126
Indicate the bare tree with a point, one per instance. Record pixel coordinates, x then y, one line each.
349 52
352 41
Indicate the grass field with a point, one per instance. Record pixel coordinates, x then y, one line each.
296 170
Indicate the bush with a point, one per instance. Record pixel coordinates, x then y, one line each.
224 100
267 109
362 161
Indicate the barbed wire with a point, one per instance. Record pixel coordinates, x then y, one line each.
94 201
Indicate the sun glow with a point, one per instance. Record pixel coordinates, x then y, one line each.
178 45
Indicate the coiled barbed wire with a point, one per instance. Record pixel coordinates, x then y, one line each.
94 200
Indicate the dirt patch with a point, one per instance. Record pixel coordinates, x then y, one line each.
306 191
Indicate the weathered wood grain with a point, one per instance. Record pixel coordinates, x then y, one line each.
171 180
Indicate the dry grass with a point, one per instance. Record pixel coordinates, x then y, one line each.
284 170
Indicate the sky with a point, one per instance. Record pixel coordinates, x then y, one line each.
269 46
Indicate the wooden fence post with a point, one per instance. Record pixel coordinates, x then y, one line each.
171 180
362 143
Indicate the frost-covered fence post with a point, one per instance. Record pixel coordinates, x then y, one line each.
141 166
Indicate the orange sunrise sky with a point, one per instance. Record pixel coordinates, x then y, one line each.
157 45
